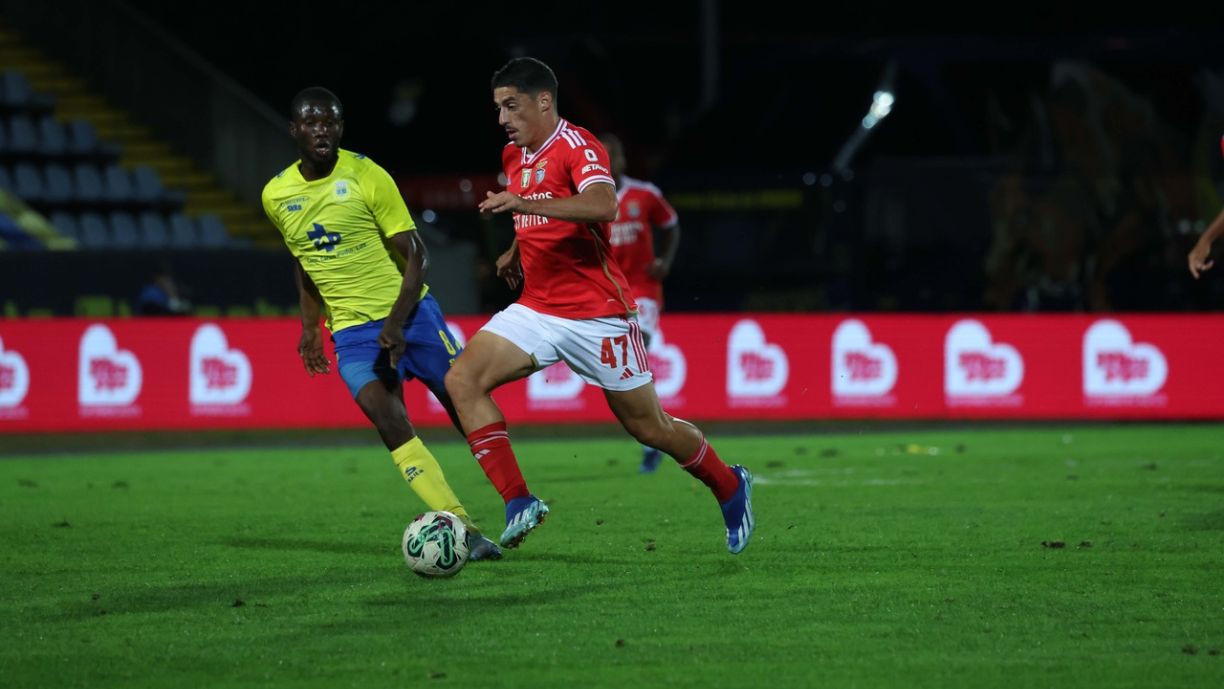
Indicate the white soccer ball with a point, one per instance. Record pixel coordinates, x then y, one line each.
435 544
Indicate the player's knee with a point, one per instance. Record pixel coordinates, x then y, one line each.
650 431
459 382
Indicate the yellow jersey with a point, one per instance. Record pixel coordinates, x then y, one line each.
337 227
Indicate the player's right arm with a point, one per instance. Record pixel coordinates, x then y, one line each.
310 344
595 201
1199 258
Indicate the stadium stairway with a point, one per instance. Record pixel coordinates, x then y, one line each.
75 100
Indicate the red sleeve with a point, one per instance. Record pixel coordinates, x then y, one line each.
588 163
661 213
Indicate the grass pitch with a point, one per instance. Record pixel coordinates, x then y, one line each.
1070 557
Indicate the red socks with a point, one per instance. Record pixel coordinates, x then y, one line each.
491 447
705 466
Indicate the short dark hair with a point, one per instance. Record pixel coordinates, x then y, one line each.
528 75
313 94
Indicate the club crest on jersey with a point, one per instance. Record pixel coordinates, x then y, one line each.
341 189
635 209
539 171
526 178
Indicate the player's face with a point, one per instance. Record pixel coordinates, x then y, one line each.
317 127
521 115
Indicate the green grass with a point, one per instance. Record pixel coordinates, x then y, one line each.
873 565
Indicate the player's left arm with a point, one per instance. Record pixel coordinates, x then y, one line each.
669 243
664 217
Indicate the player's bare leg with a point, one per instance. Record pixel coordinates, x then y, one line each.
385 409
651 456
449 405
489 361
642 416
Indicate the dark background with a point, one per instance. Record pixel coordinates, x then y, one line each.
1038 157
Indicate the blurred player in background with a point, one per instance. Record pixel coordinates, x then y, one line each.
343 219
641 209
575 307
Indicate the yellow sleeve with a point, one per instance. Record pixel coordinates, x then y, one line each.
386 203
266 199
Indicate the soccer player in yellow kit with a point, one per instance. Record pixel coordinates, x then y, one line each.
343 219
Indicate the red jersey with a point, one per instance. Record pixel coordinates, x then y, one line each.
568 270
641 206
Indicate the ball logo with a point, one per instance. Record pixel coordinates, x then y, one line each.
975 366
555 383
106 375
1115 366
755 368
14 378
668 365
219 375
861 368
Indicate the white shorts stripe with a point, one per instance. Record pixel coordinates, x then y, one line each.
641 345
639 349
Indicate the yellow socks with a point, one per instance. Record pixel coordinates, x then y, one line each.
424 475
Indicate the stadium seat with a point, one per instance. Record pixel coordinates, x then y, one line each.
212 231
119 189
82 139
65 223
148 187
54 139
23 138
17 96
89 187
93 232
182 231
58 189
28 182
124 234
17 92
153 231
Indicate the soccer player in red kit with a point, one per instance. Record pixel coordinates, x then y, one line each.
575 306
641 209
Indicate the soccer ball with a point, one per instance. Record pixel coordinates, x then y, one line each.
435 544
